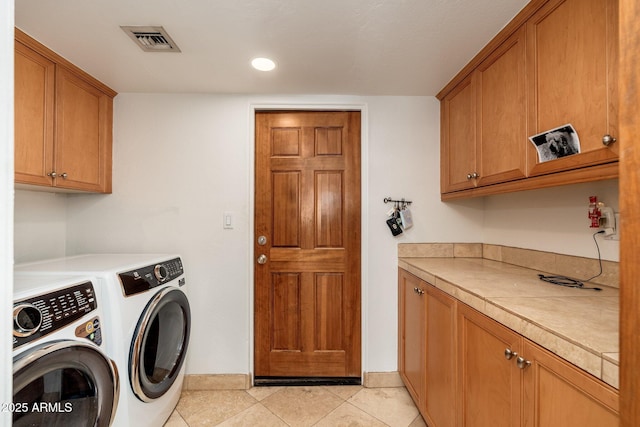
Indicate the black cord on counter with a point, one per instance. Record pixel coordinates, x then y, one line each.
575 283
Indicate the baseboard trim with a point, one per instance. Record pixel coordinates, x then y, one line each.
217 382
382 379
244 381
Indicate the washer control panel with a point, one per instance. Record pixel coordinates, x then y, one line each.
144 278
41 315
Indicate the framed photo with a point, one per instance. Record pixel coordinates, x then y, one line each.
555 143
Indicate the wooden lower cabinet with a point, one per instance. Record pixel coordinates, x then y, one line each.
440 387
489 383
412 335
557 393
464 369
427 348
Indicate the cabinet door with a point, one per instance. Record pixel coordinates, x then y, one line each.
572 60
83 134
489 384
440 389
458 137
557 393
502 110
34 105
412 335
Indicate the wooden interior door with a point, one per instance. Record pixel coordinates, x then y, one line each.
307 244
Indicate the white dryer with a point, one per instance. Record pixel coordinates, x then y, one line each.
61 376
148 323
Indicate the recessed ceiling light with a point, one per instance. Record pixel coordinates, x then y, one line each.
263 64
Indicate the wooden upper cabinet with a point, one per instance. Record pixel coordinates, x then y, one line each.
501 106
554 64
63 122
34 108
83 133
572 71
458 128
484 122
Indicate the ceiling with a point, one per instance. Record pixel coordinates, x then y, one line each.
359 47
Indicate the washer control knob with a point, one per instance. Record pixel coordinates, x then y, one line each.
161 273
26 320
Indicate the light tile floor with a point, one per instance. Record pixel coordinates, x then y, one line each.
321 406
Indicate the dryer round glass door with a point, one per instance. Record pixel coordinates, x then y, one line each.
160 344
64 383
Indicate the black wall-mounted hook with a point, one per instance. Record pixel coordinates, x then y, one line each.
402 201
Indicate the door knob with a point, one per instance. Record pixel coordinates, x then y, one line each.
262 240
262 259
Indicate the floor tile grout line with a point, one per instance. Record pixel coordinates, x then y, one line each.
349 400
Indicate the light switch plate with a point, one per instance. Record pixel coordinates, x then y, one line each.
227 220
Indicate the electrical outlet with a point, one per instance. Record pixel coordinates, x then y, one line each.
615 234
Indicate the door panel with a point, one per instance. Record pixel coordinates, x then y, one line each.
307 292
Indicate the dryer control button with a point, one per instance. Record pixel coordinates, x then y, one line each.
161 273
26 320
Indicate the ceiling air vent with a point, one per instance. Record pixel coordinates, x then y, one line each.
151 39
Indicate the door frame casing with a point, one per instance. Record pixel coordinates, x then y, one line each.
364 199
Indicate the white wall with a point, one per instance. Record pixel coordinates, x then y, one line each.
180 160
404 162
6 201
40 225
553 219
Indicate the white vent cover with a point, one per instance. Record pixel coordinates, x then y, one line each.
151 39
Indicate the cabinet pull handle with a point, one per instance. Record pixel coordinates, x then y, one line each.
64 175
509 354
418 291
52 174
608 139
474 175
522 362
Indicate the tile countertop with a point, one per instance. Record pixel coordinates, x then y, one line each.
579 325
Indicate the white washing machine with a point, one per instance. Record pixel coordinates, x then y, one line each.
147 321
61 376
